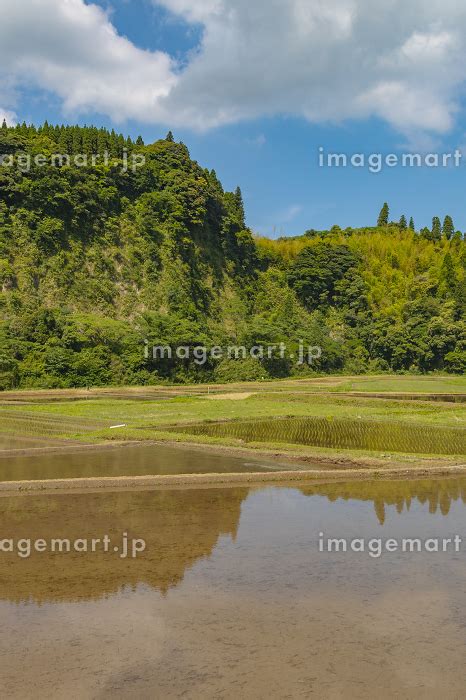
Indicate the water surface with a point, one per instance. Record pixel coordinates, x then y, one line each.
128 460
232 598
17 442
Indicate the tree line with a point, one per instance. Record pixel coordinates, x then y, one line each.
96 262
435 233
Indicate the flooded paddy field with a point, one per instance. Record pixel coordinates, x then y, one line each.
123 460
15 442
232 596
131 432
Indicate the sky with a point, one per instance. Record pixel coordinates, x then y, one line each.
254 89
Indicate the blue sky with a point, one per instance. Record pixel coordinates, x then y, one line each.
254 99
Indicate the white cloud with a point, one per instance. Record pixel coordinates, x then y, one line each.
430 47
399 103
193 10
72 50
324 60
327 60
9 116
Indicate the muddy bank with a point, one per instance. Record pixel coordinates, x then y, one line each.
317 457
223 480
313 455
66 447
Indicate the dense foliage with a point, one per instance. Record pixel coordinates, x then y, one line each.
97 262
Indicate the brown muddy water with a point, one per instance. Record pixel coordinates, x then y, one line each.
13 442
128 460
232 598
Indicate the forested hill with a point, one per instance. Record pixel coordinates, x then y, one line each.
95 259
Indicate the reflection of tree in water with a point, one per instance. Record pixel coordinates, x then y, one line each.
438 494
179 527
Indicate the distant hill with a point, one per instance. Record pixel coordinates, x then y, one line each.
96 260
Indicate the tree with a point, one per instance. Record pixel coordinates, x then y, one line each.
4 125
102 141
447 275
239 204
383 216
403 225
436 229
77 143
140 142
411 224
448 228
317 270
169 137
81 248
455 361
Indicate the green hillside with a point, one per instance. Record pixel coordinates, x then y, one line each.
96 260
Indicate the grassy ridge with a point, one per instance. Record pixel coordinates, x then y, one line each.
146 419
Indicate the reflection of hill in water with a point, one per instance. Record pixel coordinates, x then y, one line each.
439 494
179 528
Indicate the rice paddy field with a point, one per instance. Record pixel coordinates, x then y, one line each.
403 416
341 433
232 597
232 556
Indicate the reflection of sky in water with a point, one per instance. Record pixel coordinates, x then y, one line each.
232 590
188 528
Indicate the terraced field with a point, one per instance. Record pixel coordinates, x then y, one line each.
343 433
44 425
352 416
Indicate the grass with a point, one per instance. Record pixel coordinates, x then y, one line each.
44 425
407 384
90 420
340 433
155 414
